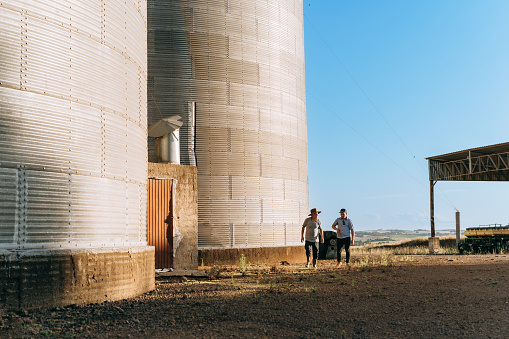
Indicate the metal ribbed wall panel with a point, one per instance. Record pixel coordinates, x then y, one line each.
242 63
160 209
8 207
73 153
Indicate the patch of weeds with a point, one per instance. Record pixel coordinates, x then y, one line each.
243 264
449 250
271 286
353 282
343 334
493 283
313 288
364 262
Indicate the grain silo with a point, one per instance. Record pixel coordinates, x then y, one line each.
234 71
73 152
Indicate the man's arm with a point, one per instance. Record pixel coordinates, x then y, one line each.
334 227
353 234
321 235
302 234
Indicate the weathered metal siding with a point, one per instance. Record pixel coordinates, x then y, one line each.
160 209
73 154
242 62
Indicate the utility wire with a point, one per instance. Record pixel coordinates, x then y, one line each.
376 148
379 113
364 93
365 139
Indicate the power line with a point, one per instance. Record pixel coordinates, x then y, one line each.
376 148
364 93
446 200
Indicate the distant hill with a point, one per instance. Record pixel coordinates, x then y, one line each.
381 236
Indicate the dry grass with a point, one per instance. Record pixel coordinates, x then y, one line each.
364 258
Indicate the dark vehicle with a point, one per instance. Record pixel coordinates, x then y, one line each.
327 250
485 239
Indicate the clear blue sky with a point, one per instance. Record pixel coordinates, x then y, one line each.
390 83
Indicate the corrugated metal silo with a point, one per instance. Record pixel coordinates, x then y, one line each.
235 70
72 124
73 152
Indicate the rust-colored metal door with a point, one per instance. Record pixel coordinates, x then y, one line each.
160 220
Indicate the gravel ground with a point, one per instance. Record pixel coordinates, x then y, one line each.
415 296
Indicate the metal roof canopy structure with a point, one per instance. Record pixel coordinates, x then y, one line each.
488 163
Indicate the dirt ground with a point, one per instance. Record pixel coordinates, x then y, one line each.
412 296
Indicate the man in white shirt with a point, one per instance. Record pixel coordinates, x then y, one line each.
344 230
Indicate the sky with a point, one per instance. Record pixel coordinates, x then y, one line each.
390 83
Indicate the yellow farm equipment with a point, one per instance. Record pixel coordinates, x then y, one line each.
491 238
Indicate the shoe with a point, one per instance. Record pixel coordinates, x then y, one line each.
348 266
314 263
339 264
315 266
307 265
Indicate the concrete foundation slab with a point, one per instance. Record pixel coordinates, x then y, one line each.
182 273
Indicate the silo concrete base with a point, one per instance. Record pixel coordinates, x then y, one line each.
49 278
258 255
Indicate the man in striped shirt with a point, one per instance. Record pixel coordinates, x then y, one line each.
344 230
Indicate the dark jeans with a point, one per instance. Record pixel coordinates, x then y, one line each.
344 242
314 245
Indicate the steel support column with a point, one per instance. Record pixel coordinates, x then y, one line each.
432 206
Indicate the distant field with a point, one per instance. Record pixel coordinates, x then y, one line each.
391 236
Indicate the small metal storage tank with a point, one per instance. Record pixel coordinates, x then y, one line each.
166 133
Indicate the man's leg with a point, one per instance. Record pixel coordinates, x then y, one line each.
315 253
339 246
347 250
306 246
